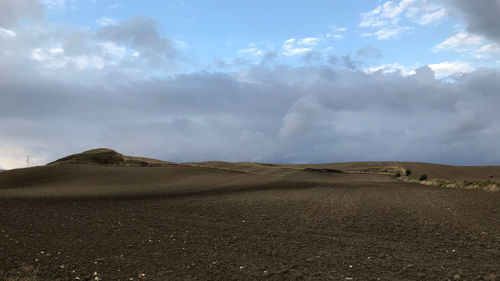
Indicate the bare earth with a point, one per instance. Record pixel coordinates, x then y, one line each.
246 221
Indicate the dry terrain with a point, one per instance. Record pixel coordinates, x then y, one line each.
129 218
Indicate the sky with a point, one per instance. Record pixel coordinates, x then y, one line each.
264 81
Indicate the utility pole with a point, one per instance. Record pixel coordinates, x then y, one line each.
27 161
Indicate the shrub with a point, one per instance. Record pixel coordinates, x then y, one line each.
422 177
397 175
408 172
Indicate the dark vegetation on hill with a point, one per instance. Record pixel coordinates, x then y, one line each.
105 156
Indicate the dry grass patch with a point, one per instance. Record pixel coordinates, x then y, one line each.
478 185
24 273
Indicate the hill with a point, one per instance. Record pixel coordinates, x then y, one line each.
105 156
105 172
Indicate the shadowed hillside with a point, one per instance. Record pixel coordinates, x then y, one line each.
105 172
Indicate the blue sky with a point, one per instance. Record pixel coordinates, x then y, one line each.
223 30
267 81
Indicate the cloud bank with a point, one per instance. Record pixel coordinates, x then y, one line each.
64 90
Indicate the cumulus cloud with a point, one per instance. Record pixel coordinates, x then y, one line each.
290 48
460 41
447 68
260 113
142 34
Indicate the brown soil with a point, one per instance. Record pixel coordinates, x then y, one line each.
247 221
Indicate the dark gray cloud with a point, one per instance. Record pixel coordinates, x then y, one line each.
142 34
261 113
482 17
344 62
11 11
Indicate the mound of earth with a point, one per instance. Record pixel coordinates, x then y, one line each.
105 156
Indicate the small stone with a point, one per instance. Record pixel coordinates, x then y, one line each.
241 267
457 277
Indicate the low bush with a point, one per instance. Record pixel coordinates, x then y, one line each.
422 177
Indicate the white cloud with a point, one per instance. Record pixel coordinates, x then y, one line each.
390 68
389 32
6 33
446 68
385 14
490 48
105 21
337 32
387 18
106 54
289 48
309 41
487 51
257 49
252 50
59 5
335 36
432 17
338 29
461 41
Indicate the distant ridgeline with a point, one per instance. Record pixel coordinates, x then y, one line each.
108 157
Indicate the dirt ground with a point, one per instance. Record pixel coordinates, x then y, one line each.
358 227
